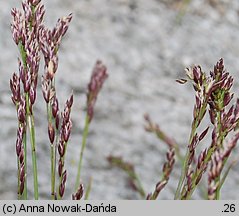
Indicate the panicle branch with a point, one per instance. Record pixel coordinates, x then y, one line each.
98 77
65 131
79 194
167 169
215 90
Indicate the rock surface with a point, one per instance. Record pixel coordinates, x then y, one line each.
146 45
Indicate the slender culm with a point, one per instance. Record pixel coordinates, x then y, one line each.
98 77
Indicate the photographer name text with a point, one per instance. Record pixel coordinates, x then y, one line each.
58 208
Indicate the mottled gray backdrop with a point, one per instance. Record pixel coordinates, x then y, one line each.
146 45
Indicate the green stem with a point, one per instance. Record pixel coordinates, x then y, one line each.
88 189
25 164
85 134
220 145
178 154
135 178
185 163
31 126
220 132
53 155
34 158
52 172
218 189
140 186
226 173
220 182
23 55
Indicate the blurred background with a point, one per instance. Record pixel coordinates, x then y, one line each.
146 45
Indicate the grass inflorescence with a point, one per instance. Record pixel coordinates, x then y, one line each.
34 40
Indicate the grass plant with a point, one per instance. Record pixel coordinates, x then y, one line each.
213 98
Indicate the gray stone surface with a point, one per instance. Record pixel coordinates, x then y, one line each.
145 48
